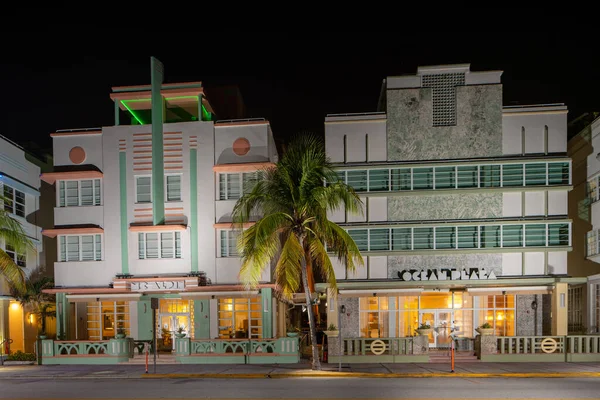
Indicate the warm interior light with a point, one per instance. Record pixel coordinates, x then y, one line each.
15 306
31 319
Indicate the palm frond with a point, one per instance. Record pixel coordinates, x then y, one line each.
322 261
13 234
343 246
11 271
288 271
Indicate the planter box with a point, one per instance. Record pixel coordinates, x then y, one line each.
332 333
424 332
485 331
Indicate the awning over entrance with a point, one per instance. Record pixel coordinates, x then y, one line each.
510 290
377 292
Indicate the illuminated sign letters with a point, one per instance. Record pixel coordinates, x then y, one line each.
152 286
446 274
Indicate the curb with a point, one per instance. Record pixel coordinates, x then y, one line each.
326 374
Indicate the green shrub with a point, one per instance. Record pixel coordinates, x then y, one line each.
20 356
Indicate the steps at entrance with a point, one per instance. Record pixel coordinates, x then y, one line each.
443 356
161 358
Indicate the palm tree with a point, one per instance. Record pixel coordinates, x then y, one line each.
294 233
13 235
36 301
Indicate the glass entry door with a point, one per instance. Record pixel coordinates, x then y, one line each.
170 323
441 324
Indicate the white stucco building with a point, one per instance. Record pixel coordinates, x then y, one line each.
143 211
20 183
465 206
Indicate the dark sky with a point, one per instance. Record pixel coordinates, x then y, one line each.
290 81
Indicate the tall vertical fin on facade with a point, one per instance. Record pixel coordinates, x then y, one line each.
158 174
194 202
123 206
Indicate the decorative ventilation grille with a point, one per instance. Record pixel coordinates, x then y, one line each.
444 96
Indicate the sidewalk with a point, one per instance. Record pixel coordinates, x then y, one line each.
462 370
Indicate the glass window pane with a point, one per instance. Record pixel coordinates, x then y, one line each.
558 173
144 189
249 180
558 234
232 243
444 238
87 193
61 194
535 235
152 245
141 246
379 180
98 247
97 192
358 180
72 193
380 239
489 175
9 196
222 186
423 238
535 174
173 187
19 203
233 186
512 175
63 248
72 248
445 177
167 245
401 239
467 237
467 176
490 236
224 244
422 178
87 248
360 238
512 235
401 179
177 244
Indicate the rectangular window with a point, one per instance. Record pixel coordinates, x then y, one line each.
358 180
401 239
152 245
249 180
558 173
535 235
79 193
512 236
173 187
592 244
490 236
104 319
379 239
512 175
379 180
489 176
15 201
229 243
143 189
535 174
558 234
18 258
445 237
422 178
80 247
229 186
467 237
467 176
240 318
360 237
592 190
423 238
445 178
374 317
401 179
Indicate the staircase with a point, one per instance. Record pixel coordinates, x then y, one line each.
161 358
443 356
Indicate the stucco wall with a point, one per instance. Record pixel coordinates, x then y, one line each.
453 206
478 131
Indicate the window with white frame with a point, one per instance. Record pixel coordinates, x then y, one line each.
154 245
232 186
229 243
18 258
143 189
14 201
84 192
80 247
173 183
595 308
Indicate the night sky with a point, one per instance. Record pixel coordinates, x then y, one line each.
292 82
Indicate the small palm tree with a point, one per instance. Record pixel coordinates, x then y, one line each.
13 235
295 233
36 301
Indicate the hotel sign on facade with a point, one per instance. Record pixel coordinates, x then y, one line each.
446 274
153 286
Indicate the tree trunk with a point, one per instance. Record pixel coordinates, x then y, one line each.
316 363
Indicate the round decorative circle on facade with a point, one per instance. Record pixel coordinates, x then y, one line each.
77 155
241 146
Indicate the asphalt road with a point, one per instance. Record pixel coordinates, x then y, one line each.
302 388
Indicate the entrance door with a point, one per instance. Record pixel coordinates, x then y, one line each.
441 323
169 325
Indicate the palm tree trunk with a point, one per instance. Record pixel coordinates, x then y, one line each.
316 363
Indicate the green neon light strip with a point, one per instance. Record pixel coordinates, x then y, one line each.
132 113
123 212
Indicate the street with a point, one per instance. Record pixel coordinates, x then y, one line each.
298 388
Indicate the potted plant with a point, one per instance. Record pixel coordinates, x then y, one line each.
180 332
485 329
292 331
332 331
121 333
424 329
